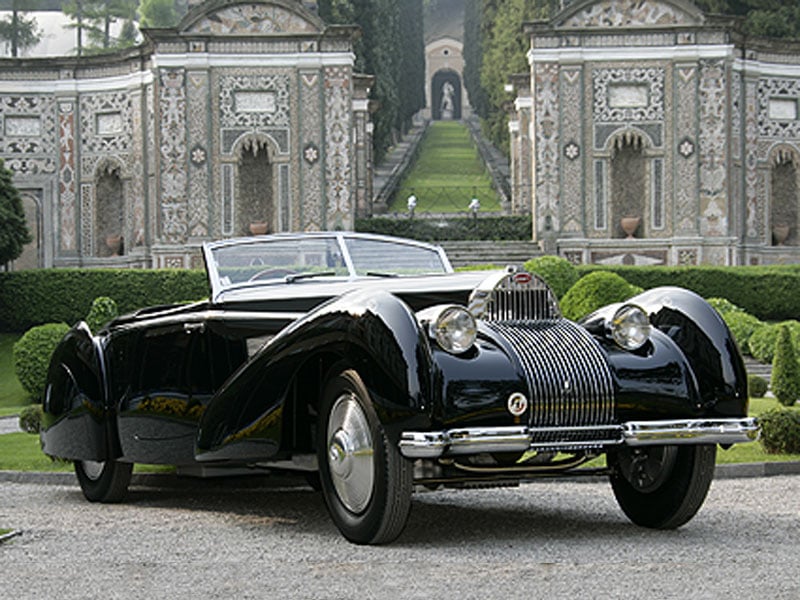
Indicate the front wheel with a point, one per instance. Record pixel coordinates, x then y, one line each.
105 481
366 483
662 487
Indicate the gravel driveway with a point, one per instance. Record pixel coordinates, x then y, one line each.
275 540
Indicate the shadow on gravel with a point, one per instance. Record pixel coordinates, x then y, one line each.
286 504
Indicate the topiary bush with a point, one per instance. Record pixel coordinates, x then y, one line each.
594 291
742 325
30 418
780 431
756 386
762 342
785 370
559 273
103 310
723 306
32 356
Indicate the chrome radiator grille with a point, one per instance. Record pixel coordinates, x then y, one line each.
569 379
517 296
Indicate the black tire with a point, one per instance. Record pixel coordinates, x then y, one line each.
104 481
662 487
365 481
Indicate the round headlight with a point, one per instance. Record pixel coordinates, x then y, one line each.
455 329
630 327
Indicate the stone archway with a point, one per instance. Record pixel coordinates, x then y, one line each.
31 257
784 198
629 189
255 202
109 222
446 95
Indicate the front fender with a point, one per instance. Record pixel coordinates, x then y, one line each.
376 330
704 338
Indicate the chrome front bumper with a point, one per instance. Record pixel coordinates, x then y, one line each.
476 440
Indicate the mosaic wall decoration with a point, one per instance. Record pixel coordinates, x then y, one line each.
67 177
135 193
106 123
546 113
712 150
338 168
248 19
308 215
628 95
198 92
28 133
172 120
254 101
629 13
754 217
572 197
776 96
686 184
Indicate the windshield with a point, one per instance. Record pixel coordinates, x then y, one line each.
296 258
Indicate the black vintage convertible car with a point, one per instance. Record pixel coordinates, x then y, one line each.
368 363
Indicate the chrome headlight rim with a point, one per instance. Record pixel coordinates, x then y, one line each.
454 328
630 327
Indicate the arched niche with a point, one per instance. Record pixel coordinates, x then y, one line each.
629 185
109 210
31 257
446 95
784 197
255 187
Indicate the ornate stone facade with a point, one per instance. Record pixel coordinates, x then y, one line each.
652 110
134 159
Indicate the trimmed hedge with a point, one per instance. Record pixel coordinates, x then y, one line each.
780 431
559 273
29 298
450 228
785 370
763 340
768 292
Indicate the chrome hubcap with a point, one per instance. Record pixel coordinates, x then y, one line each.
93 469
350 454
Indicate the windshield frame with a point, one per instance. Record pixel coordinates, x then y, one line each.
219 286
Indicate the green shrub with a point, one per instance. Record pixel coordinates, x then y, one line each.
785 370
742 325
762 341
450 228
756 386
103 310
723 306
30 418
780 431
768 292
594 291
66 295
559 273
32 356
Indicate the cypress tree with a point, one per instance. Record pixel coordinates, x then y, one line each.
785 370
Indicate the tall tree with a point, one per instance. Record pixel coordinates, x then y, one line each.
14 232
158 13
391 47
18 30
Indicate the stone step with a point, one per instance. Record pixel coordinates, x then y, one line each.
466 253
756 368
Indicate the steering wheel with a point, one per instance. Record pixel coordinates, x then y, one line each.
271 273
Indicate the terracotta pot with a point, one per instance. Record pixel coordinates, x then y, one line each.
780 233
114 243
258 227
629 225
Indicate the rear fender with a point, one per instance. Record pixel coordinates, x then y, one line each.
74 424
375 332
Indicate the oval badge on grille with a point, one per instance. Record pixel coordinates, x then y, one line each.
517 404
522 278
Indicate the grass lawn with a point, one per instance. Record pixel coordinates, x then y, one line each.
448 173
12 397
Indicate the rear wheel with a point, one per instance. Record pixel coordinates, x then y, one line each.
662 487
366 483
105 481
